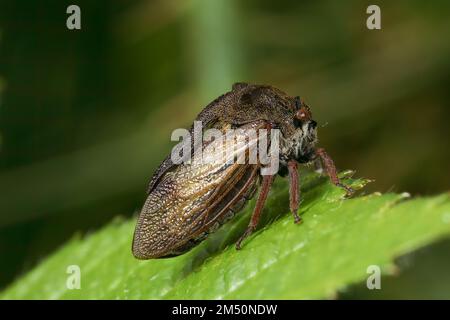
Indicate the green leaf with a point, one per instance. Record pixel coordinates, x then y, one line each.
338 240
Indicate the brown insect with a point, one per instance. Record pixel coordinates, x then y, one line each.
188 201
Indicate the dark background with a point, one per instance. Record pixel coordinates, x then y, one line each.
86 116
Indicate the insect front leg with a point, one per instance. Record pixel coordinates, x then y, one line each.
331 170
265 187
294 190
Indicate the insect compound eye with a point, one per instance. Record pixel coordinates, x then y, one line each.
303 114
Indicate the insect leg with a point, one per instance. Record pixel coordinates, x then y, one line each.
331 170
294 190
266 184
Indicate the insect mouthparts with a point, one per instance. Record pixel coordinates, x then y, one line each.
312 125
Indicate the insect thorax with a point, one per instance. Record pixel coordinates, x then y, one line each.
299 146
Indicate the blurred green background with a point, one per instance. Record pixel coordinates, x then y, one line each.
86 115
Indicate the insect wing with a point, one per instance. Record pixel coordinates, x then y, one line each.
190 198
